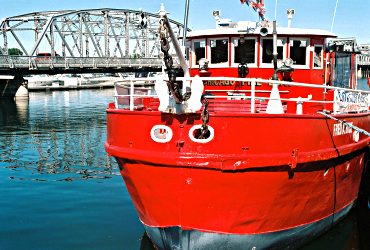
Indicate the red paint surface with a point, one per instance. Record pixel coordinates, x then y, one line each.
238 182
260 173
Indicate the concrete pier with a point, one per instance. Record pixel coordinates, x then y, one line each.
9 85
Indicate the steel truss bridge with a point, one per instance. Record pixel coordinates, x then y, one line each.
92 40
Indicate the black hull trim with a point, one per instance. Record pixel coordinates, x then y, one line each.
175 238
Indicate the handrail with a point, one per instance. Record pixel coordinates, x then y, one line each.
358 101
236 79
33 62
298 84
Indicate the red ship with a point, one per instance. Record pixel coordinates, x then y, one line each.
260 145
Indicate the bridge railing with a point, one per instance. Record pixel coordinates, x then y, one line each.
363 59
34 62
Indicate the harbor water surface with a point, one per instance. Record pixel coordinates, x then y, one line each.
59 189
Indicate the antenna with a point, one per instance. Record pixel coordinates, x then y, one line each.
335 11
186 17
276 2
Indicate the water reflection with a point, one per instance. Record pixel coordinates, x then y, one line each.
13 113
363 209
146 243
58 136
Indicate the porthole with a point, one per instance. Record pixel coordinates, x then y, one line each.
161 133
195 132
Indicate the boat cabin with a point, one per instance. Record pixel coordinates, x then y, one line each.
222 52
315 71
245 50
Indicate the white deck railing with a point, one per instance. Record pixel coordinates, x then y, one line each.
129 91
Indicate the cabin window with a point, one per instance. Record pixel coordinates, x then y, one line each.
268 49
317 56
299 51
342 70
199 50
244 50
219 50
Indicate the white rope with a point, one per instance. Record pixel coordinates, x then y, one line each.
335 12
360 130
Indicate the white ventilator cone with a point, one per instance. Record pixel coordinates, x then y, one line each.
161 89
274 105
194 102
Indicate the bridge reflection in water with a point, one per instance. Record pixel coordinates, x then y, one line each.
53 137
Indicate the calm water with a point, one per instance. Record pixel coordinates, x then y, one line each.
59 189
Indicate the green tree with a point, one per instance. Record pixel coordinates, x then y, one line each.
136 56
15 52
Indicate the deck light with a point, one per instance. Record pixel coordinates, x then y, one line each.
203 64
288 62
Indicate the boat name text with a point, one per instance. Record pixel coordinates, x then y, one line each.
342 129
231 83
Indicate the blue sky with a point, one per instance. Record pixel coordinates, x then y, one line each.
352 17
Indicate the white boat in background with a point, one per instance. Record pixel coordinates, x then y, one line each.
102 79
37 81
71 81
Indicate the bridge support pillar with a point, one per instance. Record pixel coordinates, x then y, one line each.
9 85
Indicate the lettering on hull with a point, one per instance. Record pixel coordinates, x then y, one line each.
228 83
237 83
342 129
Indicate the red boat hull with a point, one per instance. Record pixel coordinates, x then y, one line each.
261 175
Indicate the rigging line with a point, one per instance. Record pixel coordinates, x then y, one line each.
335 12
345 123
